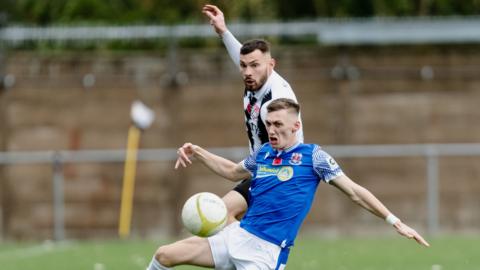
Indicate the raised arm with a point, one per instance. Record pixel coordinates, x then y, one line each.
367 200
219 165
217 20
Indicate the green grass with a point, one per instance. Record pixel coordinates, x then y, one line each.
448 253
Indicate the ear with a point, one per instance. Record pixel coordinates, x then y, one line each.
296 126
272 62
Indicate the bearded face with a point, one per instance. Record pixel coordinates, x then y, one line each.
256 67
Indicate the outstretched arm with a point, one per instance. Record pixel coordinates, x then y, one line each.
367 200
217 20
219 165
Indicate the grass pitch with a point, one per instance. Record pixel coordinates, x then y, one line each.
446 253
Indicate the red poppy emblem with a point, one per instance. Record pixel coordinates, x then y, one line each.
277 161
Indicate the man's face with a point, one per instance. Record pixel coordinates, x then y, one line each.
281 127
256 67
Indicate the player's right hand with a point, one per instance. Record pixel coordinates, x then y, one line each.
216 17
184 154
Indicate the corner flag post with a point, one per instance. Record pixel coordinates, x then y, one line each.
142 118
129 181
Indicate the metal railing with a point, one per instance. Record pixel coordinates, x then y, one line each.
431 152
432 30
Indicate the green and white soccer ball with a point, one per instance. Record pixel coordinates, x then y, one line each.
204 214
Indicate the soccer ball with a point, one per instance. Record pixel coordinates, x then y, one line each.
204 214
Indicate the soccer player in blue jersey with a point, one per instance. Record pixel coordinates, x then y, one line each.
262 85
285 175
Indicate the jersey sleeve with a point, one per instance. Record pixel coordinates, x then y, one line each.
233 46
325 166
250 163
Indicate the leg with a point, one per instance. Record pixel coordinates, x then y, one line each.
193 251
236 205
236 201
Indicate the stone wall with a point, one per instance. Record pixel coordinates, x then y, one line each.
75 101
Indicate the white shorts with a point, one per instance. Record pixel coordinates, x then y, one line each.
236 248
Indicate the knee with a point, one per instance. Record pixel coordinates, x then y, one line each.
236 206
234 216
164 257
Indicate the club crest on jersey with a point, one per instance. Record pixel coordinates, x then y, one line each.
285 173
254 112
296 159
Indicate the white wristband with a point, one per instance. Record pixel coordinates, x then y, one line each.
391 219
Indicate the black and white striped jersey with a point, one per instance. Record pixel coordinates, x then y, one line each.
255 107
255 102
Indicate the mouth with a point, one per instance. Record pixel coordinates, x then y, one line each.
273 140
249 81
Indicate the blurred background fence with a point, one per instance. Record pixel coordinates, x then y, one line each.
431 153
395 100
376 31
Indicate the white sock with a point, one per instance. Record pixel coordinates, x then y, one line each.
155 265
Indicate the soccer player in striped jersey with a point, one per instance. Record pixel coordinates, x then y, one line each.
262 85
285 176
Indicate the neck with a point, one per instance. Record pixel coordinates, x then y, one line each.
293 143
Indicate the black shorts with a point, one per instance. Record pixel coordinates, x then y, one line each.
244 189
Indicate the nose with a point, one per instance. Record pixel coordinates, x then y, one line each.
247 71
271 130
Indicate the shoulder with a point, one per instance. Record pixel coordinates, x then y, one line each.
318 152
322 158
261 149
280 88
309 149
264 147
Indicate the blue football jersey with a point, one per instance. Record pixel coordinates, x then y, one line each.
283 187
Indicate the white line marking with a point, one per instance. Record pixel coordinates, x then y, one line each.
46 247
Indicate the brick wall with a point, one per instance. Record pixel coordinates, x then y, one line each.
348 96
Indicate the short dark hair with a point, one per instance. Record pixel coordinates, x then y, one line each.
255 44
283 104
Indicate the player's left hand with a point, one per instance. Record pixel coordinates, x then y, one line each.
410 233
